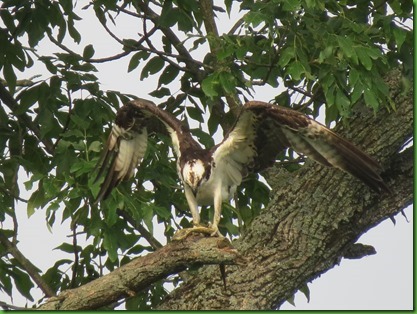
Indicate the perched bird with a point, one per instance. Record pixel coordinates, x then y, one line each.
211 176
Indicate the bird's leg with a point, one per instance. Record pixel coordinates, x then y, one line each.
197 228
192 204
217 213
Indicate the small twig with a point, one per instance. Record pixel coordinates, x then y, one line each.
130 12
236 26
15 226
76 258
144 233
162 55
31 269
91 60
191 64
7 306
112 34
11 103
16 197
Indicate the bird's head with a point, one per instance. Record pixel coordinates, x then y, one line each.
194 173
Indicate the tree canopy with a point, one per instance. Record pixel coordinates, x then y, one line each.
352 61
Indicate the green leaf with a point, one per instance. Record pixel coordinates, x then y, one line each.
364 58
356 92
255 18
162 212
147 216
168 18
10 77
286 55
23 283
88 52
227 82
329 93
95 146
210 85
342 103
111 216
293 5
399 36
325 53
347 46
66 247
353 76
27 99
213 123
370 98
153 66
296 70
195 113
135 60
76 36
168 75
228 4
36 200
110 245
160 92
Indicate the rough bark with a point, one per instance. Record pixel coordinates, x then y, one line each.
141 272
313 220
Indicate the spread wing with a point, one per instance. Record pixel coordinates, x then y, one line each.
127 142
263 130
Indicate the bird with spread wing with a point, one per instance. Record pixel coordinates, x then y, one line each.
211 176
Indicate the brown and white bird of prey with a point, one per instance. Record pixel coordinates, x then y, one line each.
211 176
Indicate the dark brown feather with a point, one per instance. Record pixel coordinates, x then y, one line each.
290 128
127 141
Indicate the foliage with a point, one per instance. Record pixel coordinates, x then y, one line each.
52 126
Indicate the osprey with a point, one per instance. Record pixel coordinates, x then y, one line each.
211 176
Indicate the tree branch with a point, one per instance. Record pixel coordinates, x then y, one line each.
142 230
31 269
11 103
143 271
186 57
7 307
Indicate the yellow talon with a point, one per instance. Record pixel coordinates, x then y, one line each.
183 233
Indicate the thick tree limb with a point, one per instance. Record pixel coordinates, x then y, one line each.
142 271
314 218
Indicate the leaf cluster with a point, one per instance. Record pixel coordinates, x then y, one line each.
53 125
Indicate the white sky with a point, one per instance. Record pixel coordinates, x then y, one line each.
379 282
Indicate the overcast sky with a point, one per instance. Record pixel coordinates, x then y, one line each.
379 282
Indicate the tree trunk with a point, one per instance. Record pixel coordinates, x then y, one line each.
314 219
